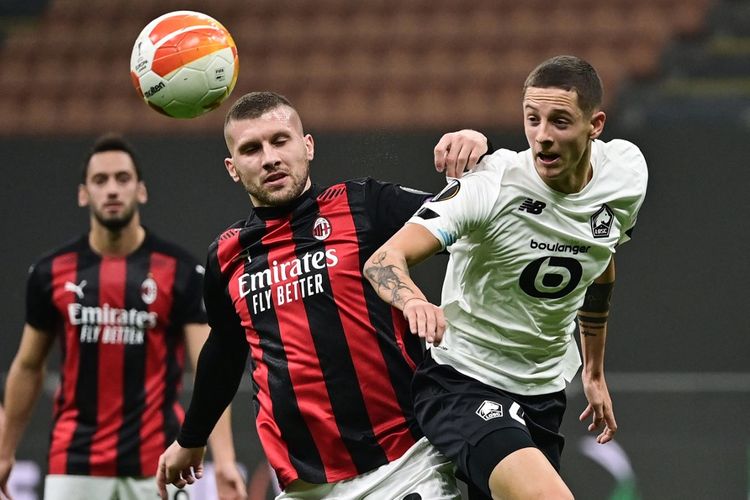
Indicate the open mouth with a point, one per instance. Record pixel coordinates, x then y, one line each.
548 158
275 177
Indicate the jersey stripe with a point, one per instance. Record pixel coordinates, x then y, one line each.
128 461
64 269
162 269
86 382
377 394
274 427
112 280
306 375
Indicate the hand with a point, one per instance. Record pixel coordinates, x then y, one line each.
230 484
6 466
425 319
179 466
599 408
459 151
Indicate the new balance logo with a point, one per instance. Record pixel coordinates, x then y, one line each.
532 207
77 289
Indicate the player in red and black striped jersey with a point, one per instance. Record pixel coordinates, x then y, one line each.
331 367
124 305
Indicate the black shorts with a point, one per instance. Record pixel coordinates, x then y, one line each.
477 425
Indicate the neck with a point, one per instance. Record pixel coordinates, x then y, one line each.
120 243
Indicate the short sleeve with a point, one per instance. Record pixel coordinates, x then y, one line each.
391 205
189 307
461 207
41 312
220 311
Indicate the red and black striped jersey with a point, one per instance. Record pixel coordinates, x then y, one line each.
331 362
120 322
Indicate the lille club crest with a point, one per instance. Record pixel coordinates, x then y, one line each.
321 229
601 222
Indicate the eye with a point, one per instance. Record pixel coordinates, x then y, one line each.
123 177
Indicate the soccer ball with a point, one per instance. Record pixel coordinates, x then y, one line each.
184 64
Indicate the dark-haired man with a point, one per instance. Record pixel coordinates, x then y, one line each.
532 237
124 304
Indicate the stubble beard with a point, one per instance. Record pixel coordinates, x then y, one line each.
116 223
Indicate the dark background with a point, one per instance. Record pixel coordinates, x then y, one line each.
679 341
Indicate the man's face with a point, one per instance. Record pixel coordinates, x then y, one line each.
271 156
112 191
559 133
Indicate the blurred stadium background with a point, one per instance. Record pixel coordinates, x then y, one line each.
377 82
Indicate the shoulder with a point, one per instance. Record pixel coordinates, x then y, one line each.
70 247
229 233
626 156
501 160
167 247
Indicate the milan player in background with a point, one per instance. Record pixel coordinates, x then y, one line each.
125 305
331 363
532 237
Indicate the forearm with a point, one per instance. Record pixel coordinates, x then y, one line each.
221 442
24 384
592 325
388 272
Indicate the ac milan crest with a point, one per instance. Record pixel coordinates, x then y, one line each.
321 229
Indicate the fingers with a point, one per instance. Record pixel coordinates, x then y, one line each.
456 152
161 478
602 417
426 320
610 428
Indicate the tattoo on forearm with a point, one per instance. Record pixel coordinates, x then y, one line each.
386 278
590 324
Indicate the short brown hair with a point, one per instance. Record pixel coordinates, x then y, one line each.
254 105
569 73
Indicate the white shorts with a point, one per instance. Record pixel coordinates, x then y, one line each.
422 472
69 487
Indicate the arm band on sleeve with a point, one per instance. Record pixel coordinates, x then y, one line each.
597 298
220 368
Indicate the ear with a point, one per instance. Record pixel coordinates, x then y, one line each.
229 165
83 196
310 147
141 193
597 124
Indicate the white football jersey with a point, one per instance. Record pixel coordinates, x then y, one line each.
521 258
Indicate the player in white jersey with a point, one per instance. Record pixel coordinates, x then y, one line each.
531 237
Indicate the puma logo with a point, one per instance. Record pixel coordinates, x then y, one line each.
77 289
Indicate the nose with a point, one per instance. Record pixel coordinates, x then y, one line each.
543 132
270 156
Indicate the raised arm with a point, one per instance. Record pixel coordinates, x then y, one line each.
387 270
230 484
22 390
459 151
592 324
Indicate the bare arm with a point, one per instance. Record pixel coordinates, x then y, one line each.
387 270
23 387
592 324
229 481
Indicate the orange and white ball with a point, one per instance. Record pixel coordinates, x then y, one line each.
184 64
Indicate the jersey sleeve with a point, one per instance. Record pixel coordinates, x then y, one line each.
391 205
40 310
497 161
634 166
461 207
189 306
